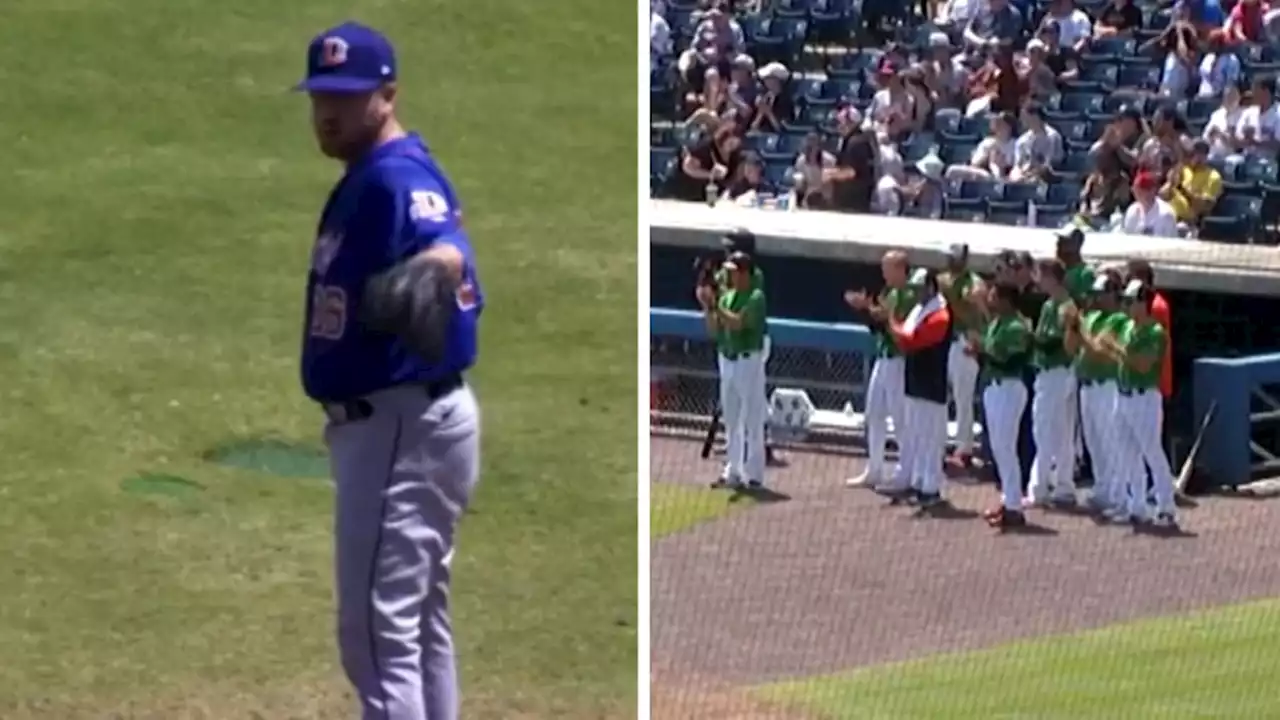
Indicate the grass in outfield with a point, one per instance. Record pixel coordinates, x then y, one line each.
1219 664
160 199
679 507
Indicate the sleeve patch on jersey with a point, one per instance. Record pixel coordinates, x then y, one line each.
466 295
428 205
328 312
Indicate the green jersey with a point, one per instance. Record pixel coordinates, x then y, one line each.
1006 347
899 301
750 305
1146 339
1079 281
1050 334
1089 368
757 283
964 315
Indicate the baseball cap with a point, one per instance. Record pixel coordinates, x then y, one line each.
738 261
1104 283
1071 234
1137 290
958 252
739 240
349 58
1146 180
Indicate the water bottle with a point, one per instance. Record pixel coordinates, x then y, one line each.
1032 213
713 193
784 201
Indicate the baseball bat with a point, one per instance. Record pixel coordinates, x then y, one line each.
710 440
1189 465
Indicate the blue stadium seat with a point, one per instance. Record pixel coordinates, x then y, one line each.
1064 193
966 210
1000 216
1243 213
789 144
1024 192
977 125
1078 104
791 8
1225 228
1114 47
1095 79
662 162
842 90
760 142
1199 109
980 189
1052 220
834 24
661 137
1074 166
778 176
1145 78
1073 129
946 121
957 153
807 89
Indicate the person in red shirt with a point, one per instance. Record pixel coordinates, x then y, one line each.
924 337
1246 23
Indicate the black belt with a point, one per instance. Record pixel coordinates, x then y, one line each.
1134 392
361 409
740 356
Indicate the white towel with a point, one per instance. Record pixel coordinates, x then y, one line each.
922 311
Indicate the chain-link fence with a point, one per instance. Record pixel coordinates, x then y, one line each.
830 363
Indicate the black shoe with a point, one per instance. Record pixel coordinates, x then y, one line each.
721 483
1007 519
755 485
926 501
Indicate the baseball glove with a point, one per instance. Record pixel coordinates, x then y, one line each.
414 301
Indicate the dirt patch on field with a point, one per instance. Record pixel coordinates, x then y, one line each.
834 579
690 698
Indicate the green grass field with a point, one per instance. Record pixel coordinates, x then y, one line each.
160 202
1217 664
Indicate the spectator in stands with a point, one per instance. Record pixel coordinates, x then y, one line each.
996 87
1122 136
706 166
774 106
1246 23
717 40
810 165
1148 214
1167 144
954 15
849 185
1106 190
996 25
994 157
890 176
743 88
711 106
945 75
1062 61
1120 18
1193 187
1074 26
746 185
891 107
1181 62
923 196
1038 148
659 38
1220 67
1221 130
1040 80
1259 127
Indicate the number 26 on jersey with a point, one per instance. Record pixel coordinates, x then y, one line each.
328 312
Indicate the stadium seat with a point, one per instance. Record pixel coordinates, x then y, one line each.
660 136
662 162
791 8
1141 77
760 142
1096 79
834 24
1073 129
964 211
1006 217
957 153
1052 220
1199 109
1064 193
980 189
778 175
1074 167
1079 104
1224 228
1109 48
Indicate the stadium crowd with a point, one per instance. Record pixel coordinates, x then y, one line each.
1149 117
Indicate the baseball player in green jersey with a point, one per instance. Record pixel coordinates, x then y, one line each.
1138 347
1053 406
885 387
1079 277
737 320
1003 347
1098 374
959 286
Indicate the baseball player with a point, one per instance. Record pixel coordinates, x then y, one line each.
1003 348
885 386
958 285
924 338
1097 375
1138 346
393 303
737 319
1078 277
1053 408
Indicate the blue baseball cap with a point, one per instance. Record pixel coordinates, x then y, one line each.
350 58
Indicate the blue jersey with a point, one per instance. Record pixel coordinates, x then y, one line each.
390 205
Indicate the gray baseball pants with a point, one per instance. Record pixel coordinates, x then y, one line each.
404 476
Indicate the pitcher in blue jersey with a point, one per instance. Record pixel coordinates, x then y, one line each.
402 431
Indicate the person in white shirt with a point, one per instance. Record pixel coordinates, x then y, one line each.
1220 131
1258 132
1148 214
994 156
956 14
1074 25
1037 149
1219 69
659 39
890 176
809 165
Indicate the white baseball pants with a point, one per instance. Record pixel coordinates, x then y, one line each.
1004 401
1139 416
1053 425
1098 412
922 442
768 409
744 408
884 402
962 377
